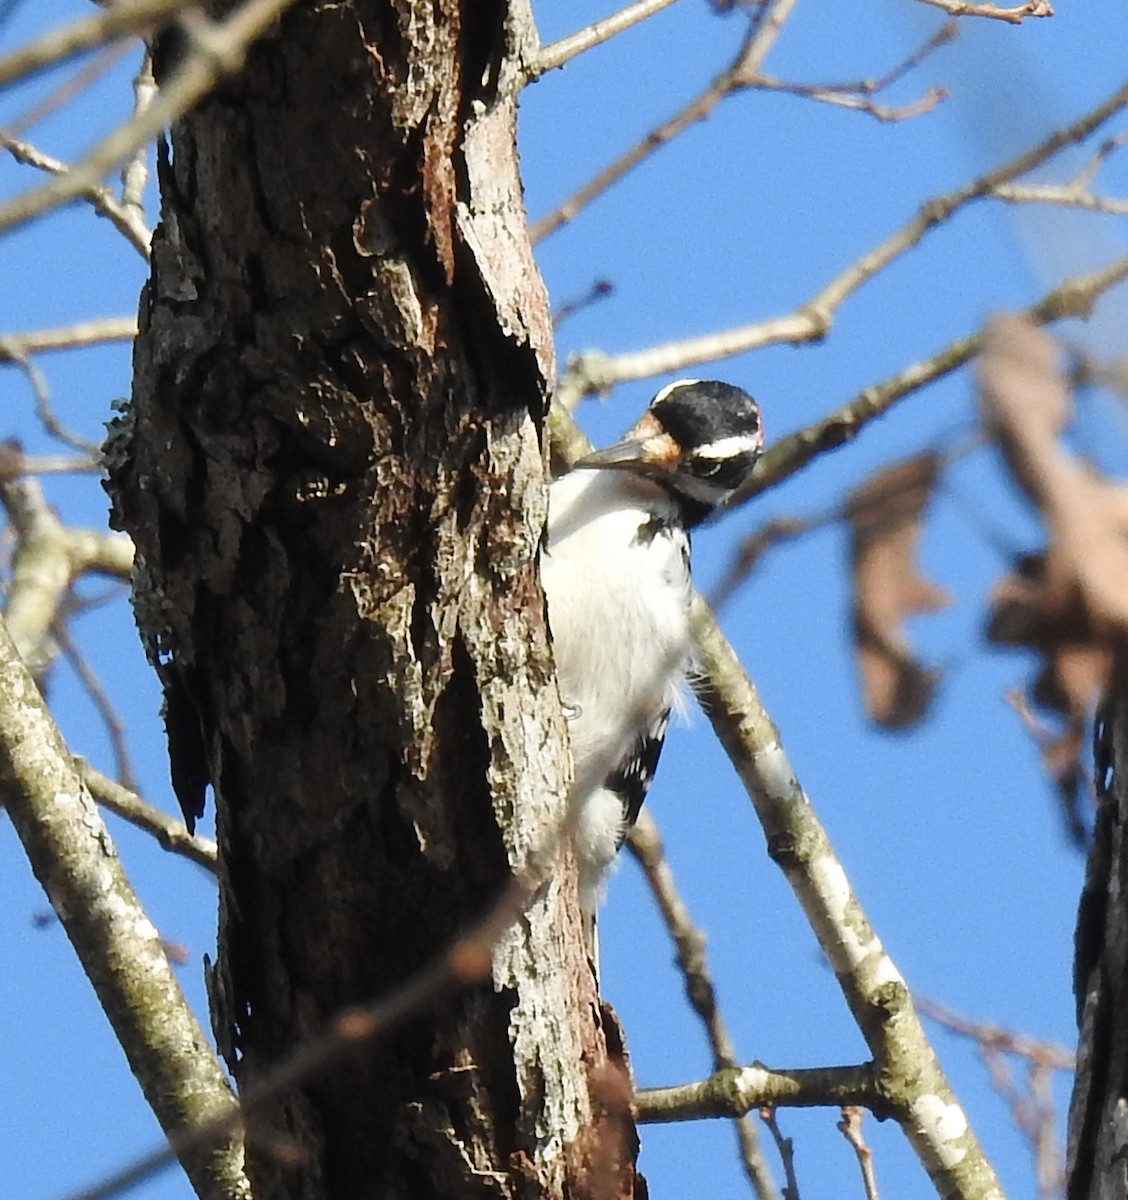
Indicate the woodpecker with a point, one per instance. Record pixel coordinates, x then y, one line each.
615 569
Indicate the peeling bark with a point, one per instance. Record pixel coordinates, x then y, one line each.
333 472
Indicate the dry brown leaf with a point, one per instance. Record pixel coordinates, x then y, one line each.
885 521
1025 405
1070 603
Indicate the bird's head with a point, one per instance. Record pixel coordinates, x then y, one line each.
699 439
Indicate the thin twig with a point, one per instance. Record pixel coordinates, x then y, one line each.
135 172
785 1147
594 372
14 347
1073 297
858 103
123 19
756 544
850 1126
948 32
171 834
758 40
126 220
216 52
996 12
645 843
598 291
859 94
783 529
1065 195
66 91
1077 192
1036 1050
91 684
556 54
44 409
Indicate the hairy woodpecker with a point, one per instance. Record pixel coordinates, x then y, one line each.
615 568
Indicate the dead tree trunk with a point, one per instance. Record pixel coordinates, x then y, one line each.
332 469
1097 1166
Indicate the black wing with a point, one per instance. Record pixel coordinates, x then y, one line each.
631 779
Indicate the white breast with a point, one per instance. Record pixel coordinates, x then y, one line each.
616 578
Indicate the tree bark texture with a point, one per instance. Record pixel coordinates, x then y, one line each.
333 471
1097 1148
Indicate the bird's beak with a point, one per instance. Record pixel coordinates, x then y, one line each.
647 445
650 452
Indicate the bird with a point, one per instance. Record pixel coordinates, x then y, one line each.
615 568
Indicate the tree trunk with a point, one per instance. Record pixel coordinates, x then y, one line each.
332 469
1097 1153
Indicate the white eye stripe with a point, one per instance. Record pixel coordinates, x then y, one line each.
730 447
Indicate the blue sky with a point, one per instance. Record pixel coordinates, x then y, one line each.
949 833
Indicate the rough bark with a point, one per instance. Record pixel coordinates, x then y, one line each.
332 469
1097 1148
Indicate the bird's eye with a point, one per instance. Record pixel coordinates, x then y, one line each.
707 468
728 473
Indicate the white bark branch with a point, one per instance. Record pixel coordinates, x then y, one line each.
71 853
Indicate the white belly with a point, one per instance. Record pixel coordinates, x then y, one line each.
618 611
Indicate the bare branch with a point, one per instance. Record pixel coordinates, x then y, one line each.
1067 195
48 558
759 39
599 290
753 547
16 347
74 85
135 173
91 684
737 1090
172 834
1073 297
948 32
71 853
556 54
786 1148
1077 192
44 410
859 103
996 12
1038 1052
1032 1104
594 372
858 94
125 220
128 17
99 552
217 49
645 843
49 464
909 1075
851 1129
